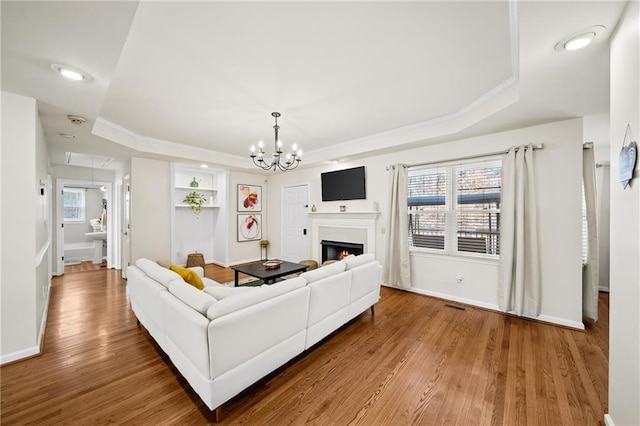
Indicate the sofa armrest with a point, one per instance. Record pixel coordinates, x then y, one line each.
246 333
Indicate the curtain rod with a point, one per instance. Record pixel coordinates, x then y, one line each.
468 157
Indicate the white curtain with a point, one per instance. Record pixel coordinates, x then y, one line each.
590 272
397 271
519 271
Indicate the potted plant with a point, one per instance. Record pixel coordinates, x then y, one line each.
195 201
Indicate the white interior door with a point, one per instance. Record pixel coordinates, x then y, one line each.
295 201
126 219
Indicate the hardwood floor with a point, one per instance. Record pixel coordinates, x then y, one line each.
417 361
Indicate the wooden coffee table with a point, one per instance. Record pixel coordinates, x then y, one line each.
269 276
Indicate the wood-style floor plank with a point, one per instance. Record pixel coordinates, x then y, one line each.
418 361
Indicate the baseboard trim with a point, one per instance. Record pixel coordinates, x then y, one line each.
240 262
19 355
559 321
542 318
43 321
608 420
452 298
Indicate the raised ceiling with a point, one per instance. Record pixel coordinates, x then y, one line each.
199 80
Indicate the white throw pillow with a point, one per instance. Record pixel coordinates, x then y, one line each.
222 291
163 275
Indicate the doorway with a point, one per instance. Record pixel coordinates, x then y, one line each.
295 243
126 225
88 213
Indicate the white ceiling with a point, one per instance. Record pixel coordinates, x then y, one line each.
198 81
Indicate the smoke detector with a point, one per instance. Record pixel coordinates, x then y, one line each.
76 119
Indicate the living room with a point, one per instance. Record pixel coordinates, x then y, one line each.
558 165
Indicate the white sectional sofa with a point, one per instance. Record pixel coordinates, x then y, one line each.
223 345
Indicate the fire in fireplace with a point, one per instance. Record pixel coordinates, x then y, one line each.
338 250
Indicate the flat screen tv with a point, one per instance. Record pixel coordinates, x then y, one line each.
347 184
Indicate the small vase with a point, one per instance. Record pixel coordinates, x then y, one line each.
194 183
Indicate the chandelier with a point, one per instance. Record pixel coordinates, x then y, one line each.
290 161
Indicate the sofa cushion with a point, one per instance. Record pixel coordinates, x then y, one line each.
222 291
191 296
324 272
189 276
355 261
249 298
153 270
164 263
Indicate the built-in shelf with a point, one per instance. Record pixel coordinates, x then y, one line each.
198 188
204 206
206 231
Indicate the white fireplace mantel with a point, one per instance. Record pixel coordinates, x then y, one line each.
352 220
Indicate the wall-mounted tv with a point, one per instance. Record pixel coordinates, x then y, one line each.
347 184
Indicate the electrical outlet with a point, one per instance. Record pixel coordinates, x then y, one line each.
459 278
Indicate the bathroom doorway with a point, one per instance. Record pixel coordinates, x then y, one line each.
83 236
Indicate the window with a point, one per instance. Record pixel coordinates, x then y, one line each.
456 208
73 204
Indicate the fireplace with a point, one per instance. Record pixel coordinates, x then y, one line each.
352 226
337 250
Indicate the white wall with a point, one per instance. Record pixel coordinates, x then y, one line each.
25 234
150 209
42 224
151 212
559 174
624 309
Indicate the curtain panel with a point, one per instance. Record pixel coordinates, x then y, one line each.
519 284
590 271
397 270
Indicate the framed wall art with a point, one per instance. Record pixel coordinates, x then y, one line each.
249 227
249 198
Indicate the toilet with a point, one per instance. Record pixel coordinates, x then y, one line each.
95 224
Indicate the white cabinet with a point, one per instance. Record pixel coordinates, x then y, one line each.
205 232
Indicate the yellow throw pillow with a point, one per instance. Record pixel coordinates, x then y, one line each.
188 276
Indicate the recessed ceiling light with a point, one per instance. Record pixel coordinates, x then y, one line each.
580 39
71 73
204 166
67 135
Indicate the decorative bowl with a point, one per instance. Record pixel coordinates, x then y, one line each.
272 264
